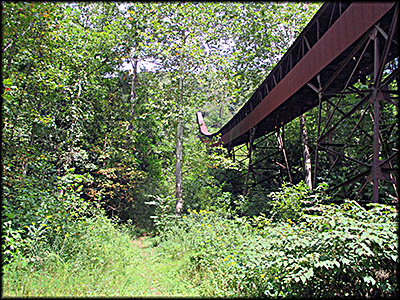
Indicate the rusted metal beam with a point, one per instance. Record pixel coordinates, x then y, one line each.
383 57
338 55
350 57
345 156
376 170
202 125
252 134
348 114
317 142
339 36
347 140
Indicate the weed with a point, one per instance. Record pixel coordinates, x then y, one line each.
101 260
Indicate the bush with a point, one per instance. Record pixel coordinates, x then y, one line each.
326 251
37 220
290 200
86 265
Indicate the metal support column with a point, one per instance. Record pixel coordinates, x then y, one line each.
318 134
251 140
375 99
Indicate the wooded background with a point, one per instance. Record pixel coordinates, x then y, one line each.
105 94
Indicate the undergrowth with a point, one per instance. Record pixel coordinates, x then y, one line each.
102 260
304 248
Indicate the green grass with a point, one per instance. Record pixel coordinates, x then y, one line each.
327 251
118 267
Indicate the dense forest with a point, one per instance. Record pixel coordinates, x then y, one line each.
107 189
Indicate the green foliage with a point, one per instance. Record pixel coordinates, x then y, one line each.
163 212
81 243
70 102
83 137
44 220
103 261
12 241
290 201
329 251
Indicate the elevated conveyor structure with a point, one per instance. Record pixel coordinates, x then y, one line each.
348 48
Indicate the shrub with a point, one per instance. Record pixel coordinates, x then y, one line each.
327 251
37 219
290 200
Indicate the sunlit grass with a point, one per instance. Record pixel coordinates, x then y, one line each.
131 269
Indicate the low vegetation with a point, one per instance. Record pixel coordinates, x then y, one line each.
304 247
100 260
323 250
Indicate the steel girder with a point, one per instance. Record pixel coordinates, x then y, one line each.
348 50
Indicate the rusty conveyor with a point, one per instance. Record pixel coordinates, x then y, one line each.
291 87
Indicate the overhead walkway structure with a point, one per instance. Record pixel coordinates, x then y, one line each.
348 48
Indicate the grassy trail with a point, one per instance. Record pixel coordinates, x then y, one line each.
137 269
161 276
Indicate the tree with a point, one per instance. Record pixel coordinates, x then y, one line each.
306 152
71 107
178 35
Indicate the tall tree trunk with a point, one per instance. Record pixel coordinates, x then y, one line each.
134 64
179 148
179 135
133 91
306 152
221 109
282 148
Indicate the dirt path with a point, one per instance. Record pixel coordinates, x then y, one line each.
139 242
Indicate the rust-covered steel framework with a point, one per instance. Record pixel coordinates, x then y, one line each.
348 49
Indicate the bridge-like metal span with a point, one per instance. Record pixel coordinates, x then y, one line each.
347 48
